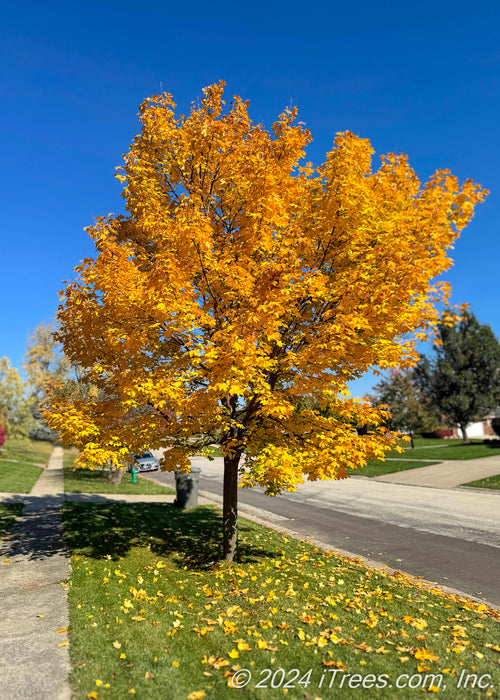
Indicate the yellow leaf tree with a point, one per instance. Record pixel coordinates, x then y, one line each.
243 280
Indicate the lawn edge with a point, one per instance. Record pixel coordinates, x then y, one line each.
271 520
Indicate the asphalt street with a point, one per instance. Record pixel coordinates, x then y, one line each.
449 536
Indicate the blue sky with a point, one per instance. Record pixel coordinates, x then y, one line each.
420 78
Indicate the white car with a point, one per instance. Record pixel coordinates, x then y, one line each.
145 462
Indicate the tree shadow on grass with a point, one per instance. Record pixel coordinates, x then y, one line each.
193 536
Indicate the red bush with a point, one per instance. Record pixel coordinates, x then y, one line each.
443 433
3 435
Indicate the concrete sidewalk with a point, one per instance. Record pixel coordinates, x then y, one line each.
447 474
33 599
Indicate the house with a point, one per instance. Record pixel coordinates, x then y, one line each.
484 428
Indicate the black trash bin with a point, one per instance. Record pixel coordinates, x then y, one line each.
186 488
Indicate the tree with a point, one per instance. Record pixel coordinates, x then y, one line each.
462 379
44 361
241 279
45 365
411 410
15 412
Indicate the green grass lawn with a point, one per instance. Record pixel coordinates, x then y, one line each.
153 615
473 450
97 481
491 482
8 515
27 451
376 467
18 477
432 442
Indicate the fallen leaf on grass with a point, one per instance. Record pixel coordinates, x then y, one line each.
335 664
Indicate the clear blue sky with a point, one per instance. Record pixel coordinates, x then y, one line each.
419 78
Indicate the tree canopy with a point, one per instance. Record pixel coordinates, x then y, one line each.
44 363
15 407
411 410
462 377
241 279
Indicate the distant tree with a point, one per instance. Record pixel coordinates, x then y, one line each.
45 365
462 379
44 361
15 409
411 410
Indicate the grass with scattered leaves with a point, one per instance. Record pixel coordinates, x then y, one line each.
490 482
154 615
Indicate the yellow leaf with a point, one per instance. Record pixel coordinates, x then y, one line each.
196 695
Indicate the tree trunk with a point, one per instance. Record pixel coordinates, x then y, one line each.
230 507
115 475
464 434
411 441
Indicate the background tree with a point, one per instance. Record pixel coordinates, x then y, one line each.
411 410
462 378
15 410
241 278
44 361
45 365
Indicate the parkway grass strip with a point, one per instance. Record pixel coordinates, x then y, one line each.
153 614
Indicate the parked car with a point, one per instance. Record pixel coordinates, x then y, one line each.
145 462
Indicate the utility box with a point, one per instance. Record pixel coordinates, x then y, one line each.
186 488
